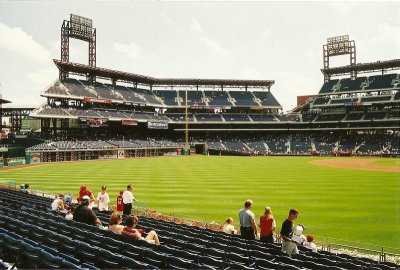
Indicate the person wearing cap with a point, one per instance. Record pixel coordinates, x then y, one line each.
309 243
289 246
248 228
85 214
298 235
103 199
128 199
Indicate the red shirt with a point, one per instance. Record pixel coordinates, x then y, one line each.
85 192
266 226
129 232
120 203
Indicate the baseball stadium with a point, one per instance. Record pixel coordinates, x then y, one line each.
194 152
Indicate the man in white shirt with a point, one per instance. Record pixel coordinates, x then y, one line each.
248 228
127 198
103 199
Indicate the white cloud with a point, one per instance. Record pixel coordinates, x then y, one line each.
195 26
16 40
213 45
344 7
250 73
167 18
388 33
132 49
41 78
265 33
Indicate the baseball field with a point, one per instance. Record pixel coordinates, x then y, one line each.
355 199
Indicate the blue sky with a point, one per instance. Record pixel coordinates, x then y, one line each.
279 41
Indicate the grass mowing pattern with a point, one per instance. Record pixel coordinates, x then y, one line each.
348 204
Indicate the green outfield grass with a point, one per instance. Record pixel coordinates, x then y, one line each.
348 204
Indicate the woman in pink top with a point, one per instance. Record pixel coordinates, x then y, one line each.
267 226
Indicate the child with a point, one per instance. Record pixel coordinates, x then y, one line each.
120 203
228 227
309 244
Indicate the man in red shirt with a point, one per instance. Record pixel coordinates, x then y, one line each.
84 191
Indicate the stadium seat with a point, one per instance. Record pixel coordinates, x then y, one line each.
349 265
49 261
266 264
89 266
129 263
154 258
208 261
64 264
178 263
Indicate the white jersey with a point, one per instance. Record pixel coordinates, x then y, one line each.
103 200
310 245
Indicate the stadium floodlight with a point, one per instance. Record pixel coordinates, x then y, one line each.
81 27
339 45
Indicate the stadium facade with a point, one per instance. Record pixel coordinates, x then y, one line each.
94 112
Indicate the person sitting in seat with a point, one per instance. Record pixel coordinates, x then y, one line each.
58 204
130 231
114 224
309 244
228 226
298 235
84 214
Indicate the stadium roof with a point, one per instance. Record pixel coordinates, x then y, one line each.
363 68
3 101
136 78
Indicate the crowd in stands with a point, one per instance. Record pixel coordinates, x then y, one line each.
328 143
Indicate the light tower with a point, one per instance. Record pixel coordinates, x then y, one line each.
81 28
339 45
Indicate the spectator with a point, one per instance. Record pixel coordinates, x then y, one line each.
128 199
27 190
267 226
67 199
309 243
114 223
103 199
120 202
70 214
84 191
228 226
84 214
289 246
22 188
130 231
248 228
298 235
58 204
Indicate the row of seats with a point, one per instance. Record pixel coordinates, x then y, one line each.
296 143
80 88
59 112
33 238
378 82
